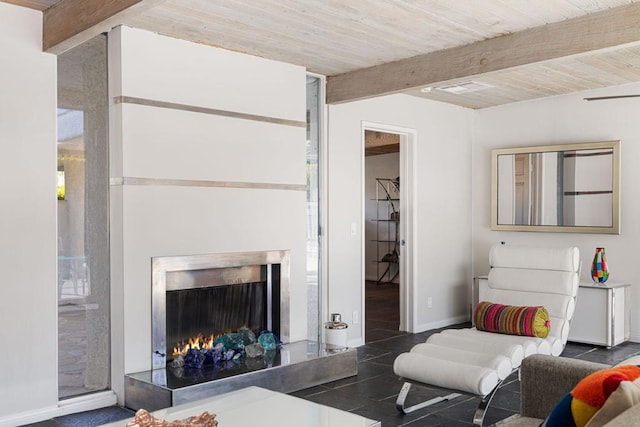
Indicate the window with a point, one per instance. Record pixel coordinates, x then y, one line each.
313 207
83 212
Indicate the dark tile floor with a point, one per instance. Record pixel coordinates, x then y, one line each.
372 393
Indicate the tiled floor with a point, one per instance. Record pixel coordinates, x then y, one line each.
372 393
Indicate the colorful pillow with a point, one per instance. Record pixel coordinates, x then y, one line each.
598 398
512 320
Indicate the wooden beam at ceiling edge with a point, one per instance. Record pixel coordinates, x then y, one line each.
69 23
581 35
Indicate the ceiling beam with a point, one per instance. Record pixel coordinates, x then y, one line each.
68 23
380 143
32 4
584 34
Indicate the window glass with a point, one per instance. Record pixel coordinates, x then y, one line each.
313 206
83 212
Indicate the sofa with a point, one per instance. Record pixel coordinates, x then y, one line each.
544 380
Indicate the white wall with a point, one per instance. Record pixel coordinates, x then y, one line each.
161 143
442 238
565 119
28 301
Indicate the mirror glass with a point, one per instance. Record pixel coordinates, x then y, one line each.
559 188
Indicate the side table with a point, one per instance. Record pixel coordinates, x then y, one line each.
602 315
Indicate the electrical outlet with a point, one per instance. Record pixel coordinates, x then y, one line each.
429 302
356 318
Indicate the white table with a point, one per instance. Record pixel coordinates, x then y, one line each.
602 314
255 406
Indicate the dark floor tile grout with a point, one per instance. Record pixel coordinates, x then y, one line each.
387 339
373 359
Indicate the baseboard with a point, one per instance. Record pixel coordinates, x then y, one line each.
442 323
64 407
634 338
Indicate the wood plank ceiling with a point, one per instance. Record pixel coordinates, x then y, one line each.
515 49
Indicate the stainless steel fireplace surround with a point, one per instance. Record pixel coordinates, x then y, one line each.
210 270
295 366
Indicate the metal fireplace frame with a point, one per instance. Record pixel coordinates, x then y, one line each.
160 266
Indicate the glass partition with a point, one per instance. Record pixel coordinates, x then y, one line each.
313 207
83 212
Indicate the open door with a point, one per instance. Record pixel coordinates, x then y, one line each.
388 218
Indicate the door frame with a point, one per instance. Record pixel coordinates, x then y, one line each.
408 224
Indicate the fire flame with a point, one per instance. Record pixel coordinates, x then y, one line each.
197 342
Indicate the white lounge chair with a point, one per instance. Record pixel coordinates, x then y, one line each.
477 362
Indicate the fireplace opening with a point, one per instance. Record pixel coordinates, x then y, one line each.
198 298
195 317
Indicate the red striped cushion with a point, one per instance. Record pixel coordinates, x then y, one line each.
512 320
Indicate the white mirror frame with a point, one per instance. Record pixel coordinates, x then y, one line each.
615 227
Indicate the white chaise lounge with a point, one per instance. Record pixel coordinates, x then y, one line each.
476 362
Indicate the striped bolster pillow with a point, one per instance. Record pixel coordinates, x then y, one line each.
512 320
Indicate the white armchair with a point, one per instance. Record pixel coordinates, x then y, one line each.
477 362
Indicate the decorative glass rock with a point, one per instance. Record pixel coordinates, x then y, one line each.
213 355
268 340
194 359
227 352
248 337
178 362
231 341
254 350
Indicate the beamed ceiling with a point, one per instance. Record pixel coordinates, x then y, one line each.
511 50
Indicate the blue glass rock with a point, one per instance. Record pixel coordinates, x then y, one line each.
236 342
213 355
268 340
228 355
231 341
194 359
278 342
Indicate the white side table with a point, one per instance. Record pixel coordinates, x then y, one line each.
602 315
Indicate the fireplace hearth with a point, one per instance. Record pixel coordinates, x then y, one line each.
294 366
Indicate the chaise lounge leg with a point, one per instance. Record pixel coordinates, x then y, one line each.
478 417
404 392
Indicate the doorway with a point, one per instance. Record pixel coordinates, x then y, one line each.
387 222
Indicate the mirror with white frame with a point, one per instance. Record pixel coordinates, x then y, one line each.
569 188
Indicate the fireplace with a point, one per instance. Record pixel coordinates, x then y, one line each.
260 283
196 298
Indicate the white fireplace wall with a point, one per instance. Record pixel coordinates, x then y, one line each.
166 216
28 379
